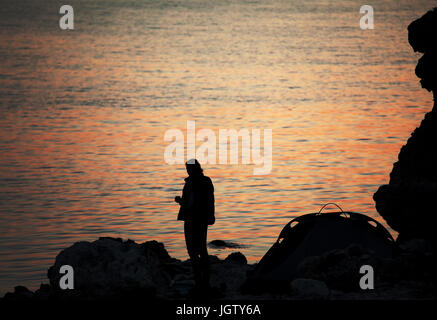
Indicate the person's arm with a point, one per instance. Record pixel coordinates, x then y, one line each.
211 194
210 201
178 199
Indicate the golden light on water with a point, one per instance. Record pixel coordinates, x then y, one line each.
84 115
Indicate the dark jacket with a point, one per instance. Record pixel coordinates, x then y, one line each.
197 202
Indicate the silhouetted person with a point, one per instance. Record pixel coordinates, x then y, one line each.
197 212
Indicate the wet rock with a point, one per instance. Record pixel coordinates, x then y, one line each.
236 257
221 244
108 267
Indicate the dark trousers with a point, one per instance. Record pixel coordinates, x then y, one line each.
195 239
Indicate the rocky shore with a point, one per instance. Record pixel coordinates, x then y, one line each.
110 268
407 202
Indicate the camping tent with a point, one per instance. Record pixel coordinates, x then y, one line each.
312 235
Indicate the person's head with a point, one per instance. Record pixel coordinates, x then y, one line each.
193 168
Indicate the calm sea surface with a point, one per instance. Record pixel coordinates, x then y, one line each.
83 115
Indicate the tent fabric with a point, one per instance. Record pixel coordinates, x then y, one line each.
314 234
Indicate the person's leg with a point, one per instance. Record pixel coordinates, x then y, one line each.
191 240
203 251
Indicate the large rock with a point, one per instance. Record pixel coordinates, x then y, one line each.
222 244
407 203
409 274
20 293
236 257
339 269
110 267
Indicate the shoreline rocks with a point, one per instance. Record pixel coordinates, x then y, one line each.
113 269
